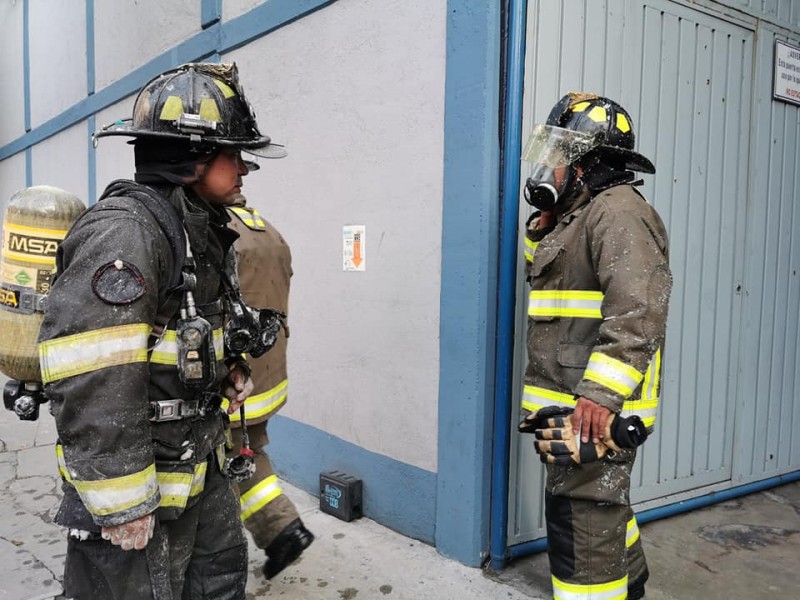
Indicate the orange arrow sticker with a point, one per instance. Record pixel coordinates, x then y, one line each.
354 247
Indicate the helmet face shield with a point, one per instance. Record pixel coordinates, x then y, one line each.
558 147
553 151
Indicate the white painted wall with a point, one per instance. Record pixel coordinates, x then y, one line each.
57 57
235 8
356 92
62 161
12 179
129 34
12 93
113 154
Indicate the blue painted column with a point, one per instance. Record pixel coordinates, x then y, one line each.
470 230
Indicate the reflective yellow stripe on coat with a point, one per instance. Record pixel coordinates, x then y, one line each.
581 304
646 406
93 350
117 494
632 533
258 496
613 590
530 249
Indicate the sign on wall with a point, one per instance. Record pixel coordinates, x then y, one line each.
786 86
354 248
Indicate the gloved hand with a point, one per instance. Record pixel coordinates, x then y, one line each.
237 387
558 445
131 535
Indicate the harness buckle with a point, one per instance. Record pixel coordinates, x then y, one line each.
172 409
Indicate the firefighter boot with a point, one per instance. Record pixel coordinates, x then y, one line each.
285 548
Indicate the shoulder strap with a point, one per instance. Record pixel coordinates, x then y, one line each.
170 223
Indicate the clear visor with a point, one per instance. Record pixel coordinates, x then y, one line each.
556 146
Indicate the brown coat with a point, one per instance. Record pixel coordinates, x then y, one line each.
265 269
600 286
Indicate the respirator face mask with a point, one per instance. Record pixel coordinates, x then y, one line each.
552 152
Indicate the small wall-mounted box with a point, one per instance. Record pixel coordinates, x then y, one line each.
340 495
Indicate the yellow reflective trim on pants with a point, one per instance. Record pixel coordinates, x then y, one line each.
177 488
632 533
93 350
174 488
612 374
613 590
580 304
530 249
165 352
108 496
262 404
258 496
534 398
199 481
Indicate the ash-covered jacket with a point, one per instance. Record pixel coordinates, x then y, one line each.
102 365
265 270
600 286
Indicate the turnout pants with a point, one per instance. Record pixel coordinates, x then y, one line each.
593 540
266 511
202 554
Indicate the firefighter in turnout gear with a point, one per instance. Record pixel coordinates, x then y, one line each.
265 269
597 264
132 355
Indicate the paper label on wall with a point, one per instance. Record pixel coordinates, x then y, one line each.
787 73
354 238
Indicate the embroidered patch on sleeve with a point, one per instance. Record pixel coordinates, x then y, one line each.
118 282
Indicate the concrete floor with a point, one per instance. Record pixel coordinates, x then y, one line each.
747 548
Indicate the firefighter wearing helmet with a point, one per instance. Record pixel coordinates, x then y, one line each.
597 264
135 358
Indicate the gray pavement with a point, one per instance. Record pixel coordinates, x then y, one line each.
741 549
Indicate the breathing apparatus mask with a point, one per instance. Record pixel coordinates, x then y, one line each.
553 151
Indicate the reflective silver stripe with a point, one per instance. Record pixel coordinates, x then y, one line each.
612 374
93 350
259 496
565 303
632 533
199 480
165 352
646 411
613 590
174 488
262 404
108 496
177 488
534 398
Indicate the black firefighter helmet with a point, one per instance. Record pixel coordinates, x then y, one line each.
199 103
587 130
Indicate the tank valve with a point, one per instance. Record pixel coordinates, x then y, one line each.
23 398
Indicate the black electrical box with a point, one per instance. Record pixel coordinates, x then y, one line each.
340 495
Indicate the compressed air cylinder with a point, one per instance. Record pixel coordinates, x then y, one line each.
35 221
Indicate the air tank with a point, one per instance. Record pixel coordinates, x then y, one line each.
35 221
